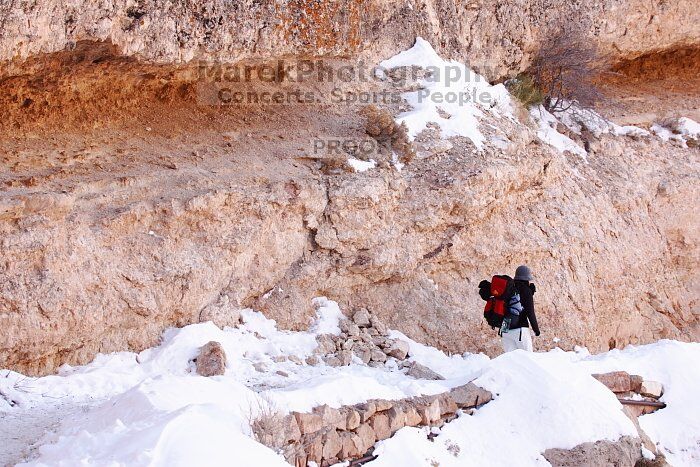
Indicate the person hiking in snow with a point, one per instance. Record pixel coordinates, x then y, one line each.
510 307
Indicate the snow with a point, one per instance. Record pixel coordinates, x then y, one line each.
163 421
567 406
689 128
630 130
647 454
547 132
151 409
664 133
398 165
450 97
328 315
680 131
360 165
577 119
675 364
450 88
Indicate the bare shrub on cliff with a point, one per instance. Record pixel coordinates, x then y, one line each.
266 421
275 430
381 126
267 427
564 69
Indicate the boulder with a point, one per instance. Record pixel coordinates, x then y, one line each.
376 355
651 389
332 444
330 417
352 419
313 446
313 360
616 381
363 352
349 445
326 344
366 437
412 417
382 405
211 360
380 425
447 405
361 318
428 409
344 357
399 349
378 325
397 419
636 383
308 422
469 395
332 360
366 410
418 371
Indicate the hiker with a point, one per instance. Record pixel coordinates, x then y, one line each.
510 308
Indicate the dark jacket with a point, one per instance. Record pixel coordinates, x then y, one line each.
527 317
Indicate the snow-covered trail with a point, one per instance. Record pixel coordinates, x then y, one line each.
150 409
20 429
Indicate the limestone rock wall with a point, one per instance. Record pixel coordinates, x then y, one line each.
613 246
496 36
74 285
102 247
613 243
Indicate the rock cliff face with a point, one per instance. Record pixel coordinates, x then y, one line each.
127 208
613 241
497 37
103 262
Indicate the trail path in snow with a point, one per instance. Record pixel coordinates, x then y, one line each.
120 410
20 430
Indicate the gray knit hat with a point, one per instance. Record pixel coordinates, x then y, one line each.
523 273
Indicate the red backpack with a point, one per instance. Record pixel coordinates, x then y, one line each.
504 302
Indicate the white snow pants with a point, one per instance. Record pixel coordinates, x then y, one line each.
518 338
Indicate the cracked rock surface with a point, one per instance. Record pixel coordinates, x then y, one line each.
127 208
